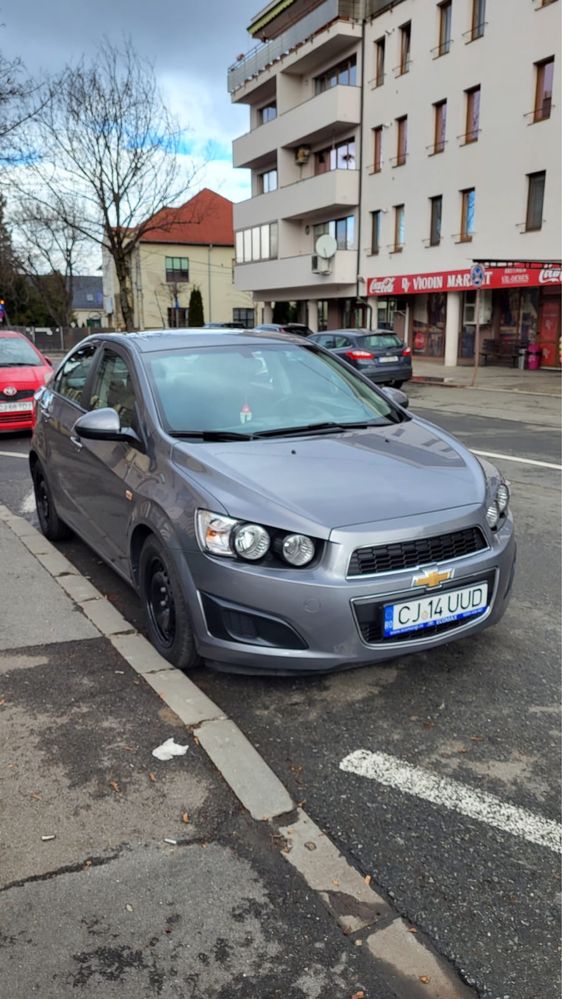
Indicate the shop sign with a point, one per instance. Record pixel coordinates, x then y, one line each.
462 280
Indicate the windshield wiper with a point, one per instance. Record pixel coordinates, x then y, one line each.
211 435
319 428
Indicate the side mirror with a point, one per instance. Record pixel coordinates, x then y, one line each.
105 425
396 395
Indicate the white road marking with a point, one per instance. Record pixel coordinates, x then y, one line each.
457 797
13 454
28 505
521 461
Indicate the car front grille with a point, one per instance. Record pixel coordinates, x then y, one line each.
26 393
411 554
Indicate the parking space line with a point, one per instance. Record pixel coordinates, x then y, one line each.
457 797
13 454
520 461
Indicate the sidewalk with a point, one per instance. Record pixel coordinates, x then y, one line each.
494 378
123 875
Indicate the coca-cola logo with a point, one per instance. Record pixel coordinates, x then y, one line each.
382 286
550 275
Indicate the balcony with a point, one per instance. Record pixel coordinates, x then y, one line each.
270 276
314 197
322 117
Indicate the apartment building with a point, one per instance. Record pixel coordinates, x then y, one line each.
391 145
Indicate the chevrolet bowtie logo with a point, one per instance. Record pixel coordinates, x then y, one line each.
433 577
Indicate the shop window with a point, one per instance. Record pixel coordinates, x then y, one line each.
405 48
401 140
468 200
380 46
376 221
445 22
177 269
535 200
267 113
543 90
377 149
469 308
268 181
440 126
399 228
472 115
344 74
428 320
436 206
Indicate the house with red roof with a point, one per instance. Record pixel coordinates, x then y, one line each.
181 248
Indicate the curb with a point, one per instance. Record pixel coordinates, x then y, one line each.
436 381
401 955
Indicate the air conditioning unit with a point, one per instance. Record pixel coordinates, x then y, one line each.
320 265
302 155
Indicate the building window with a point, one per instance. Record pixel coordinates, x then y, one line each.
478 20
399 228
245 316
440 130
467 215
343 231
401 140
376 220
178 318
436 204
344 74
405 45
543 92
267 113
445 22
177 269
380 46
472 114
338 157
258 243
535 201
377 149
268 181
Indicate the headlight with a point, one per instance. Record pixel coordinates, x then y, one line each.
298 549
251 541
493 515
502 497
214 531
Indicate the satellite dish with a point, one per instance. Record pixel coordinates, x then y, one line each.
325 246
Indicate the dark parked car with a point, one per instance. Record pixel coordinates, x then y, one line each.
274 509
299 328
380 355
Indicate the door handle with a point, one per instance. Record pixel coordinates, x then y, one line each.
77 443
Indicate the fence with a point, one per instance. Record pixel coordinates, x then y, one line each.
58 340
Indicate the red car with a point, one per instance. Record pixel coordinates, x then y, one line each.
23 370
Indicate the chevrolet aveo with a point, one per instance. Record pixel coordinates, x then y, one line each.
273 508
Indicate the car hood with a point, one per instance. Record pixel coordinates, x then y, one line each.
325 482
30 377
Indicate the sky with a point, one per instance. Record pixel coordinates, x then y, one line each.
190 45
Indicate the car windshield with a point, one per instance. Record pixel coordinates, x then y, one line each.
270 388
381 341
17 353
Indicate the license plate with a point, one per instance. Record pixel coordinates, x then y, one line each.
16 407
387 360
440 608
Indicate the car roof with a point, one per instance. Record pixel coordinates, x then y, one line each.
15 333
360 332
177 339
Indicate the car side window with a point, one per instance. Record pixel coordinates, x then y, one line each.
326 341
342 341
71 378
113 388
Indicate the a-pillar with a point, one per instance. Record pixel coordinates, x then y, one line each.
313 314
267 312
452 328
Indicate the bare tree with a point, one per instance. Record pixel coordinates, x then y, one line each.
103 157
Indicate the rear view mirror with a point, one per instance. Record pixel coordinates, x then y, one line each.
104 425
396 395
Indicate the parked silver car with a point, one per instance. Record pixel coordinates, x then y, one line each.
274 509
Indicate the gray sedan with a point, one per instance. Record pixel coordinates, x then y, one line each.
274 510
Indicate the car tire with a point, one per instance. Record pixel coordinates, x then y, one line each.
165 606
49 521
397 384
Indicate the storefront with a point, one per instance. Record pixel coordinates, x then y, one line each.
518 304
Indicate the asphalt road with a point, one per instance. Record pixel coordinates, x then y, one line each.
482 713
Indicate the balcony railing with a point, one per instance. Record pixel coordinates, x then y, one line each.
266 53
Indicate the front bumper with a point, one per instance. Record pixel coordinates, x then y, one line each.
316 615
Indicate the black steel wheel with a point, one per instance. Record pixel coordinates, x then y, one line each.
49 521
165 605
